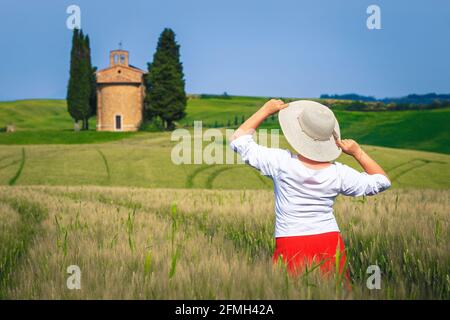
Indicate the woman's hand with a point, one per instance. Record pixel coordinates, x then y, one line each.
350 147
273 106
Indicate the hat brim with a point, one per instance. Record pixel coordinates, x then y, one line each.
316 150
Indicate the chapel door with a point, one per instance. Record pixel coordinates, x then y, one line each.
118 122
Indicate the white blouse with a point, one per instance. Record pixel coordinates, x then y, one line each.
304 197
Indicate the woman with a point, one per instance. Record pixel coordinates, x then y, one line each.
307 183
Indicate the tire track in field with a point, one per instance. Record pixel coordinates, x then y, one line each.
401 173
424 162
262 179
214 175
9 164
401 165
211 177
105 162
190 178
7 157
14 179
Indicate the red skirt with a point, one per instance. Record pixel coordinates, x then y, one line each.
299 252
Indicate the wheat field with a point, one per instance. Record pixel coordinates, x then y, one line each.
135 243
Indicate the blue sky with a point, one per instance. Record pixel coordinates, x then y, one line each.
288 48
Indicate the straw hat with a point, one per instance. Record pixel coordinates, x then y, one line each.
310 127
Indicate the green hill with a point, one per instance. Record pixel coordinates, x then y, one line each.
426 130
47 122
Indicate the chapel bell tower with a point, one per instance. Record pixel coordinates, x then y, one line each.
118 57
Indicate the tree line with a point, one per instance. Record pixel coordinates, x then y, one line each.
382 106
355 102
235 122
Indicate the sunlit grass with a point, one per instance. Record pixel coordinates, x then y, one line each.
144 160
206 244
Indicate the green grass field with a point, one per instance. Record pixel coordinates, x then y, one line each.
419 130
139 226
145 161
47 122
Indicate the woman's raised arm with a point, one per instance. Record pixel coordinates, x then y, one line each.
352 148
251 124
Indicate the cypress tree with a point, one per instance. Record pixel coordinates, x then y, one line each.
73 89
92 81
80 99
85 87
165 95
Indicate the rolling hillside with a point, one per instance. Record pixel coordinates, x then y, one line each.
427 130
39 152
47 122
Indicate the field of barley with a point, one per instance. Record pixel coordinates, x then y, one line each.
209 244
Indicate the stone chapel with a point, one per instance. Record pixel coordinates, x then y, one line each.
120 94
